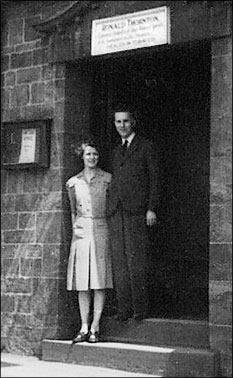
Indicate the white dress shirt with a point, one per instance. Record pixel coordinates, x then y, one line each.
129 139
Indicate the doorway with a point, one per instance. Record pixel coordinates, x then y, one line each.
171 90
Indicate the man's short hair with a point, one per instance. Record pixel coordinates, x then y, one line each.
124 107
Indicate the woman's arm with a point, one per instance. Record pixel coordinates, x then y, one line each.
71 194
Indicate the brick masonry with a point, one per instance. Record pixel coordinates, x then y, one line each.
35 213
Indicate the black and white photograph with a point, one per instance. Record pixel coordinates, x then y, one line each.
116 188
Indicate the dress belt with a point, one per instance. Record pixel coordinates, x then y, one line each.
93 216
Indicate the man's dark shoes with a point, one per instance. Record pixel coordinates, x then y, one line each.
138 317
93 337
124 316
81 336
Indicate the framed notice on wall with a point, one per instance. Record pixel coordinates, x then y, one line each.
26 144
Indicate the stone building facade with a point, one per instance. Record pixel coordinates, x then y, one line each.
48 72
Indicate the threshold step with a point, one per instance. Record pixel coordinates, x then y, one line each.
161 361
153 331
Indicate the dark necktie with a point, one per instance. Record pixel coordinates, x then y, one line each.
124 147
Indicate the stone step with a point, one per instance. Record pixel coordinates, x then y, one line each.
155 360
185 333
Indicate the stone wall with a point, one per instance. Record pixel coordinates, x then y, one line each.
35 237
220 288
35 212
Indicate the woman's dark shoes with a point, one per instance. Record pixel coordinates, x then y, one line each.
94 337
81 336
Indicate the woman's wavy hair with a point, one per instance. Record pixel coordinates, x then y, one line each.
79 147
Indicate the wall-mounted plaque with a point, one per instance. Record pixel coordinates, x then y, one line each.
26 144
131 31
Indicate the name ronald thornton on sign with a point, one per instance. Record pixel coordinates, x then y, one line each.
131 31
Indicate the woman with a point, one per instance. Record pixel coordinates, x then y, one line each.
89 265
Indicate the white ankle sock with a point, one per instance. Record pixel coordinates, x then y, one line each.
94 330
84 328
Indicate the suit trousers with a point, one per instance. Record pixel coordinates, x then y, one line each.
130 248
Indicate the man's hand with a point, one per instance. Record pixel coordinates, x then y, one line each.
151 218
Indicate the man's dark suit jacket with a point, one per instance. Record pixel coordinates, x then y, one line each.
135 177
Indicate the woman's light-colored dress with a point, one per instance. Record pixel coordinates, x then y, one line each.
89 265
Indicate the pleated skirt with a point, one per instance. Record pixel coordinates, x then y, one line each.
89 264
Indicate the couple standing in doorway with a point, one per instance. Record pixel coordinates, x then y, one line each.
111 213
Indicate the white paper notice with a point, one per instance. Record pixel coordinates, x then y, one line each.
28 146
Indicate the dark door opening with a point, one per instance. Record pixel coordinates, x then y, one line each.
171 90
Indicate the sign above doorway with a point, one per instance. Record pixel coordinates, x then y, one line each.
131 31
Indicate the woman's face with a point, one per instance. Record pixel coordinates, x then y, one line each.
90 157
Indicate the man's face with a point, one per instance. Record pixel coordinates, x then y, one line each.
124 123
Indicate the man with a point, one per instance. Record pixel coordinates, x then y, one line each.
132 202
